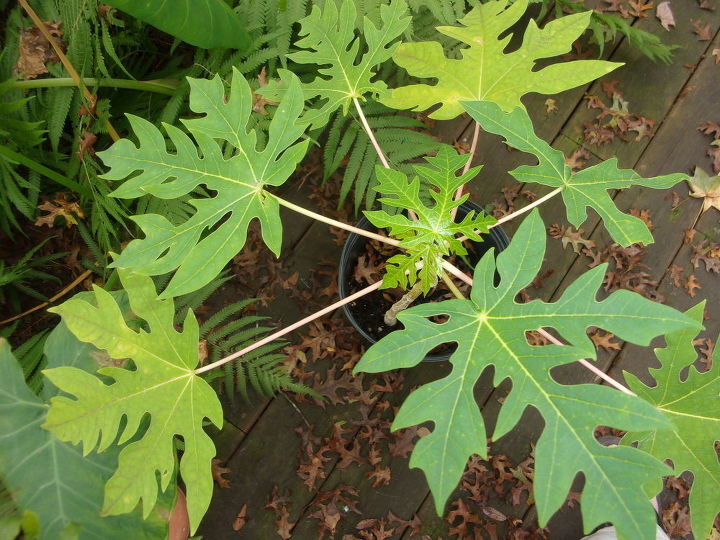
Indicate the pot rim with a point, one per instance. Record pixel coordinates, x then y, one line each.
496 234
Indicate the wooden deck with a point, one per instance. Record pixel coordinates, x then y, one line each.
266 443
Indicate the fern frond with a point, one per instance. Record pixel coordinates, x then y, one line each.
398 136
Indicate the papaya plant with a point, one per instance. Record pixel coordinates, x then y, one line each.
145 404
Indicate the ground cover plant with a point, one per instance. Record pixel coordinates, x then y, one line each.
126 381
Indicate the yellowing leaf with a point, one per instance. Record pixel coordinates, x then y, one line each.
693 404
705 187
485 72
163 385
52 479
489 329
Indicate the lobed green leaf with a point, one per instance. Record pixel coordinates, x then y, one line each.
586 188
693 405
485 71
489 329
238 181
163 385
329 39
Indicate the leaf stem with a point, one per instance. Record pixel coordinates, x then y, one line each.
523 210
604 376
42 169
468 163
333 222
159 86
450 285
290 328
376 146
66 62
370 134
527 208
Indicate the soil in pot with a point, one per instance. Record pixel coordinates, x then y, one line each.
362 262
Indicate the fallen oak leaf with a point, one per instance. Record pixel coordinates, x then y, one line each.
676 275
241 519
703 186
70 211
665 15
380 476
217 473
283 525
35 52
604 340
691 285
703 31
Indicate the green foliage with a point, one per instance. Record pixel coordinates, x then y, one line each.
328 37
204 23
16 191
604 27
433 234
163 385
226 332
239 181
485 72
14 280
588 187
693 405
399 136
489 329
51 479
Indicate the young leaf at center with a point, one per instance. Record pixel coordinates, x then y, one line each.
433 234
238 181
489 329
163 385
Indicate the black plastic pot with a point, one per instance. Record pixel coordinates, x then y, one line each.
356 245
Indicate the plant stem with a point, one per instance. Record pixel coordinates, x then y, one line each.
63 292
604 376
66 62
159 86
333 222
369 132
290 328
42 169
376 146
527 208
450 285
468 163
521 211
408 298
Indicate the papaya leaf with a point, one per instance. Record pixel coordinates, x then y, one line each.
203 23
432 235
588 187
238 181
329 39
53 479
163 385
489 329
693 405
486 72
